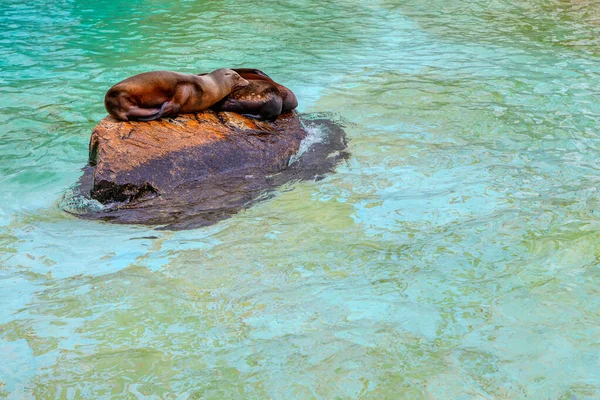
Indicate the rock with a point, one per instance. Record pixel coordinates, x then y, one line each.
197 169
136 160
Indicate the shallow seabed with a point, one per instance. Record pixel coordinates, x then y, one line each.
454 256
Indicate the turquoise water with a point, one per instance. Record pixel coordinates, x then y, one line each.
454 256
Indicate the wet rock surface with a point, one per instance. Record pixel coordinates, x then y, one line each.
197 169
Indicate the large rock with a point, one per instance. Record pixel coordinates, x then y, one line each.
197 169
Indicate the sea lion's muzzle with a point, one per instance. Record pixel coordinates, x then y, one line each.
242 83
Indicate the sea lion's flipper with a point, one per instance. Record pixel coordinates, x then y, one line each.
164 109
146 119
142 114
232 105
253 116
147 114
268 111
271 109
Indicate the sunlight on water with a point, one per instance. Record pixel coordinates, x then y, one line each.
454 255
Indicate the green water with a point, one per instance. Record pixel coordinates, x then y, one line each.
454 256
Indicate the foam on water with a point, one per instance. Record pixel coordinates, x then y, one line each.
315 134
74 202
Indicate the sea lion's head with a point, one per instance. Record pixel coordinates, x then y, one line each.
229 76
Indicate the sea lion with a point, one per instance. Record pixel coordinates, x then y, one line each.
263 99
157 94
260 100
287 96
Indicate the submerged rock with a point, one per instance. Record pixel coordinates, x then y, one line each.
197 169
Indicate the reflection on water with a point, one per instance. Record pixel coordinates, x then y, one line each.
455 254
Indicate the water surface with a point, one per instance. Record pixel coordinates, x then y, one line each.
455 255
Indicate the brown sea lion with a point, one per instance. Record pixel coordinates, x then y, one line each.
260 100
157 94
263 98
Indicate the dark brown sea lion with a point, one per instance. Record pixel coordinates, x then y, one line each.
157 94
260 100
287 96
263 98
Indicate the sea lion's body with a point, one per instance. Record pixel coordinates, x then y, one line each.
263 98
157 94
